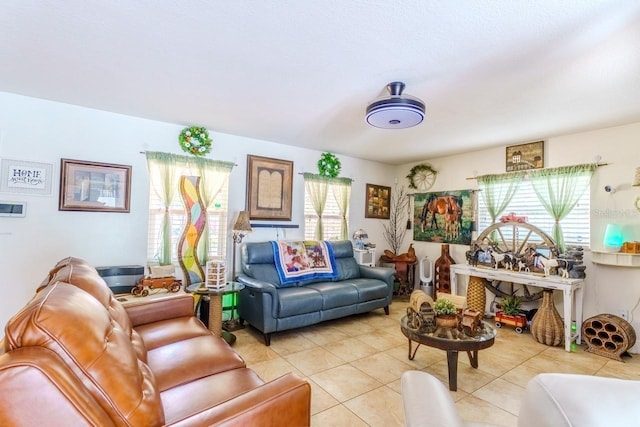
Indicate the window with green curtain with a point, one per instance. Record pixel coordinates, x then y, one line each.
525 202
167 216
332 222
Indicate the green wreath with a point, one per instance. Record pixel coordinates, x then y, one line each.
329 165
195 140
421 172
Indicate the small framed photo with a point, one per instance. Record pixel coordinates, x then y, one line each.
269 188
525 156
94 187
378 202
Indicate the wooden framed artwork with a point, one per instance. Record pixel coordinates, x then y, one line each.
525 156
378 201
94 187
269 188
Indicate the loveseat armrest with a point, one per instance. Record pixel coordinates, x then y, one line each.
258 285
283 402
382 273
154 308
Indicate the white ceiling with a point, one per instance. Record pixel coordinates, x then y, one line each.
301 72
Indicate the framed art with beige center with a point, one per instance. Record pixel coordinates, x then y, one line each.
269 188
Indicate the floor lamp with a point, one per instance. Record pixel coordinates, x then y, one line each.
241 228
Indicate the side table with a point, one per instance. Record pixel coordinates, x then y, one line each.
215 306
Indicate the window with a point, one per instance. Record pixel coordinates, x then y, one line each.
213 239
336 193
575 225
331 218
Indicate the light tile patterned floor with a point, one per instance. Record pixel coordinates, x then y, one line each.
354 367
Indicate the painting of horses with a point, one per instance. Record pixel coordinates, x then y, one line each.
443 217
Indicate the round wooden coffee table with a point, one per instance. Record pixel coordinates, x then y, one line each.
452 341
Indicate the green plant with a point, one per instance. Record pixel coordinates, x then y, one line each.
329 165
511 305
443 306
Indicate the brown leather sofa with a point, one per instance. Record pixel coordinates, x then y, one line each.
74 355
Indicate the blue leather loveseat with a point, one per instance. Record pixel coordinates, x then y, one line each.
272 306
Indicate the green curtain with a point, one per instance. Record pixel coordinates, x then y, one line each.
165 184
497 192
317 187
214 176
341 189
558 190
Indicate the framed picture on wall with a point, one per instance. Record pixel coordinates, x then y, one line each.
94 187
269 188
525 156
378 201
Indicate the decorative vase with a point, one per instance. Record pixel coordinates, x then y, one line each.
447 321
476 296
442 271
547 326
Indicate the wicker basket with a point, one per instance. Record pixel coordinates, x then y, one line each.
418 298
547 326
476 296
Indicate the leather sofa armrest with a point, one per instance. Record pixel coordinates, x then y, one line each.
154 308
283 402
382 273
258 285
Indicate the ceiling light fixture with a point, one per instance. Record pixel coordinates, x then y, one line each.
396 111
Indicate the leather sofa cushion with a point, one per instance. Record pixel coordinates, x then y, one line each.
192 359
336 294
348 268
300 300
168 331
78 328
207 392
369 290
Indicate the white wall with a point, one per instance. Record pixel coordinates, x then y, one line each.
607 288
43 131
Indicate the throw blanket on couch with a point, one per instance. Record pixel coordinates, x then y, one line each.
304 260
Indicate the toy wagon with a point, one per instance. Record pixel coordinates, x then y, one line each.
159 277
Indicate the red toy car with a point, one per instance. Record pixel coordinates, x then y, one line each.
519 321
512 217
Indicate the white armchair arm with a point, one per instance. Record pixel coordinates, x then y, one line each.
427 402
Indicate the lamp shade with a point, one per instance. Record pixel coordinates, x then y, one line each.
613 238
242 224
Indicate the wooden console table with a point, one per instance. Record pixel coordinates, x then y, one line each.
572 292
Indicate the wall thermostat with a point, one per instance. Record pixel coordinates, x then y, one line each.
15 209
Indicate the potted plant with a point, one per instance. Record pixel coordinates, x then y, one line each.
511 314
446 313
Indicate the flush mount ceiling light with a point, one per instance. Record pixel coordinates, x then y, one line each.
395 111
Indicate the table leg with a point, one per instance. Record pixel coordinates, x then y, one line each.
473 358
411 356
452 364
215 319
567 300
578 296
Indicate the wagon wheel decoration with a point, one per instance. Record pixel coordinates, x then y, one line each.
522 240
422 177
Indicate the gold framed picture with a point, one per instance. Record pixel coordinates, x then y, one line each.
525 156
269 188
94 187
378 202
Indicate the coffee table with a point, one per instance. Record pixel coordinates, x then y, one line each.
452 341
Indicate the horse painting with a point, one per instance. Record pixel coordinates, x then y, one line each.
443 217
450 207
